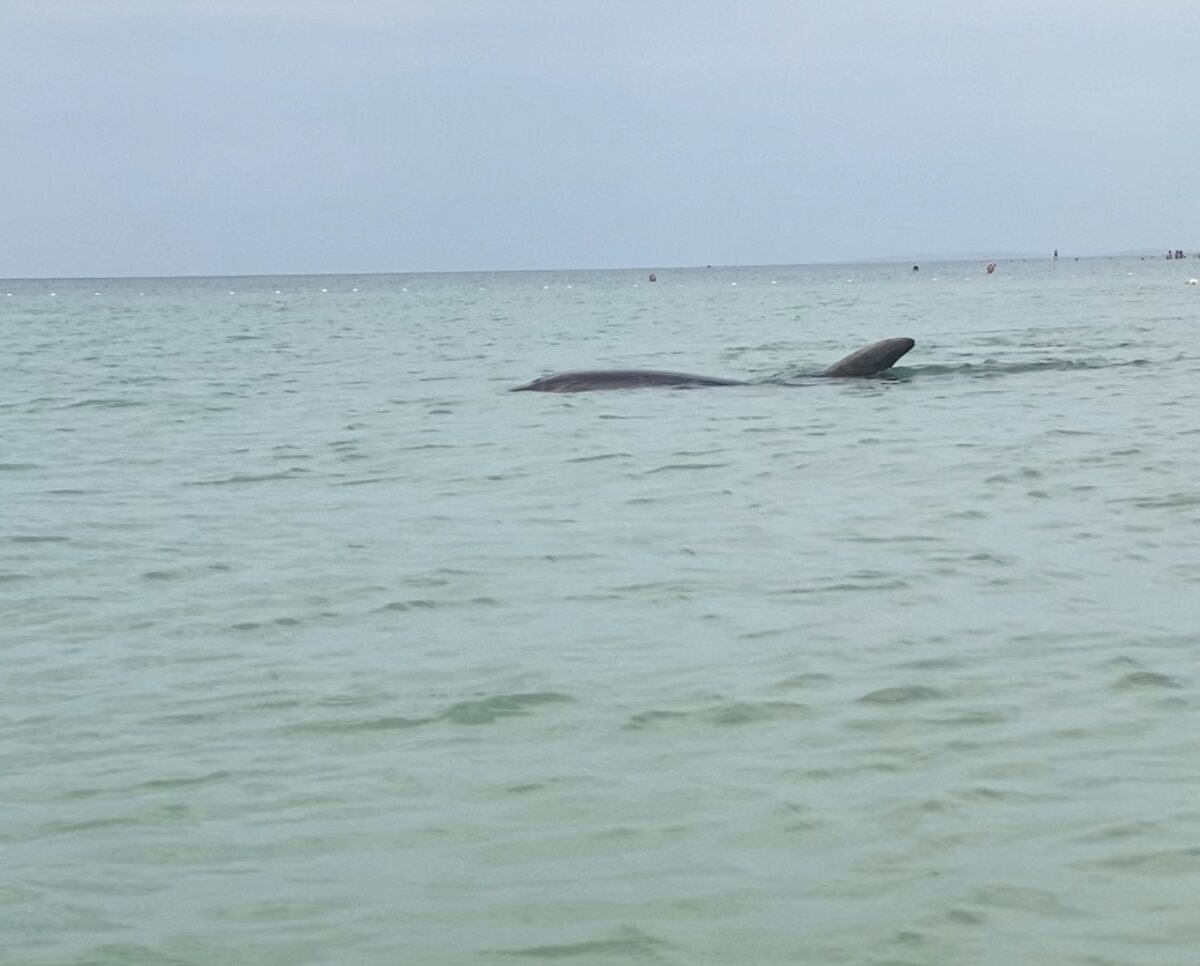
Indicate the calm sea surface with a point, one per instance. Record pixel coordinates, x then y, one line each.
319 646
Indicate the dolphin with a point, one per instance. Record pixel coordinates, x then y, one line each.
870 360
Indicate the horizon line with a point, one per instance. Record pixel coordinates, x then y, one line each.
866 260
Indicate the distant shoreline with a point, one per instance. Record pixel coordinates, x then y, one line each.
1190 253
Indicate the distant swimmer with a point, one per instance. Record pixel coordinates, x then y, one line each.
991 267
653 277
916 268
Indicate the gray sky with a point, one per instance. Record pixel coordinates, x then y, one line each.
152 137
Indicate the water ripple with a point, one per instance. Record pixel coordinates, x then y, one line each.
481 711
626 944
902 694
294 472
731 713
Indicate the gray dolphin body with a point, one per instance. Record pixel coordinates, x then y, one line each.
870 360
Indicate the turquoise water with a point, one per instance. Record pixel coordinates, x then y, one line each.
320 646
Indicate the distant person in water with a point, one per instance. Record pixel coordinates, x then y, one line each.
916 268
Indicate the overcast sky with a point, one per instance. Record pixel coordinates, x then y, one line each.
162 137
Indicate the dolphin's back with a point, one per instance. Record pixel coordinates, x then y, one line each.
867 361
591 379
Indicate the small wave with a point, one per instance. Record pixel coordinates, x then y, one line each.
672 467
944 662
902 694
1147 679
488 710
598 457
160 783
293 473
864 580
1024 899
18 467
408 605
658 589
259 625
1170 501
426 604
627 945
368 481
991 368
805 679
746 712
974 718
92 825
987 793
1185 861
104 404
727 713
386 723
1019 475
481 711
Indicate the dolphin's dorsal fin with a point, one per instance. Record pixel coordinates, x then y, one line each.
871 359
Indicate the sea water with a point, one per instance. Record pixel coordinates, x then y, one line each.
321 646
